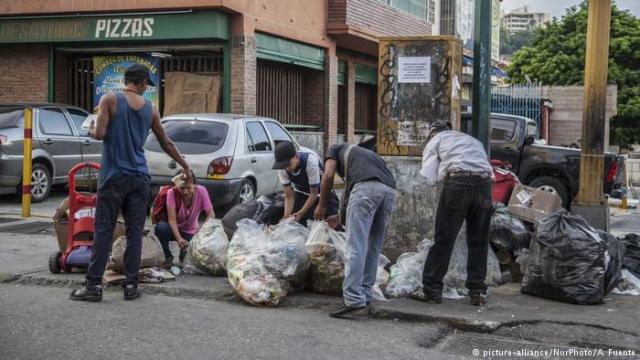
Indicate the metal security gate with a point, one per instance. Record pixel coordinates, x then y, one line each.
520 100
81 74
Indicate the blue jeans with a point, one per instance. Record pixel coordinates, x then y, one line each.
370 206
131 194
165 234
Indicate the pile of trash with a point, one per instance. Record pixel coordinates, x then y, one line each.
507 231
264 265
570 261
630 274
207 251
406 273
327 252
267 209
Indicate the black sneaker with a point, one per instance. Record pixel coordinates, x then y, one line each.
131 292
420 295
477 299
91 293
168 262
350 311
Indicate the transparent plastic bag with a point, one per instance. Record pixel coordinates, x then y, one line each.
406 273
262 265
507 231
630 284
207 251
326 248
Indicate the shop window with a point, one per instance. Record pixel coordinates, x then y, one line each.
342 109
365 107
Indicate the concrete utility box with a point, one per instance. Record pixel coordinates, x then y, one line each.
419 82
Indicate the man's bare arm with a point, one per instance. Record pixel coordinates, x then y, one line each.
106 107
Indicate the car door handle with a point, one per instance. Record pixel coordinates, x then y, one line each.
86 142
48 141
254 160
172 164
506 148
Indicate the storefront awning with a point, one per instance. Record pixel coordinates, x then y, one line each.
208 24
291 52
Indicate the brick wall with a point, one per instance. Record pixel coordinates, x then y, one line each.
565 125
374 18
243 74
23 73
331 99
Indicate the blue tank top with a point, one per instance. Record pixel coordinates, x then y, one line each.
122 146
300 179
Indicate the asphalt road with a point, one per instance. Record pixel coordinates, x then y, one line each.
41 323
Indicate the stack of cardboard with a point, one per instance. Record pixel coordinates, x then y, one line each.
530 204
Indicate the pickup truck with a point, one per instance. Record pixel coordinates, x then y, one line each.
550 168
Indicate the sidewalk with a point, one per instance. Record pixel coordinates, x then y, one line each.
23 260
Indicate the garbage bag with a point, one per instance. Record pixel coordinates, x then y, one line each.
630 284
631 259
507 231
567 261
326 249
152 254
263 265
253 209
613 261
406 273
207 251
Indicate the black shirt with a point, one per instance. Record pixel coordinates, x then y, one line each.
364 165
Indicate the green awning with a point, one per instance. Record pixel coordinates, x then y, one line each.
366 74
206 24
291 52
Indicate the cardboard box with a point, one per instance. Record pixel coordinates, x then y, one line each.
530 204
61 227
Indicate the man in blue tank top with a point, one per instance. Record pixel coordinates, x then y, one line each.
123 123
300 173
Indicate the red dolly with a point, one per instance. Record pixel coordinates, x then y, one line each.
81 227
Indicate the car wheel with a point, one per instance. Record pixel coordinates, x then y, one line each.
247 191
554 186
54 262
40 183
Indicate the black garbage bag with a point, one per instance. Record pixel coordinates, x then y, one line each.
567 261
506 231
613 259
253 210
631 259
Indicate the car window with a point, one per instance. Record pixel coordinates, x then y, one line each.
191 137
10 117
53 122
78 117
277 133
532 130
502 130
257 138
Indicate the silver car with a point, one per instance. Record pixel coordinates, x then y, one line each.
59 143
231 155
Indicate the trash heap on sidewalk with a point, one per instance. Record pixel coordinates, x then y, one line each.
207 251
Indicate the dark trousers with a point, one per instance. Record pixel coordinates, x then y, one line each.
462 198
333 206
165 234
131 194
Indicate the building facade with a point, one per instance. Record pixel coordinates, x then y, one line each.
521 19
309 64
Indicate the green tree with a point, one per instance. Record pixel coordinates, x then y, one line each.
510 43
557 53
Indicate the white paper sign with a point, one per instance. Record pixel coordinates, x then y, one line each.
524 197
414 69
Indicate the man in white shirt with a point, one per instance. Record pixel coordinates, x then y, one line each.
300 173
460 162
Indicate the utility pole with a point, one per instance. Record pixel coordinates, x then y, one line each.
590 201
481 104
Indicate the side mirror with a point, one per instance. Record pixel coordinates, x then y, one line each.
529 140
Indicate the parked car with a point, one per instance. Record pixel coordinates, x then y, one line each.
59 143
231 155
551 168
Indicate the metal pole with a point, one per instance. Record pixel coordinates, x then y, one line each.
26 163
595 101
482 71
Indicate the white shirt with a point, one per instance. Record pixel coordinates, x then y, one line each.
313 173
450 151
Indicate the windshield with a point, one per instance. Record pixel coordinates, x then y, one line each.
10 117
191 137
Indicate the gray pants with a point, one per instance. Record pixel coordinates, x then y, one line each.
370 206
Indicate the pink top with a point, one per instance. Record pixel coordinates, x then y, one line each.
187 218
